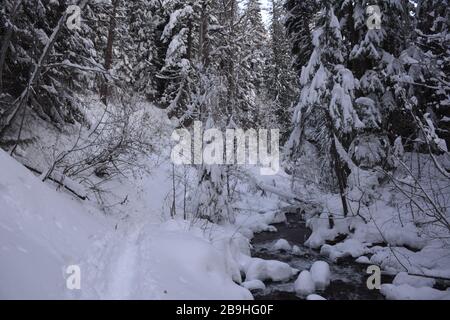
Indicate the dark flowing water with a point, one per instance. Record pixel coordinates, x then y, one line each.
348 279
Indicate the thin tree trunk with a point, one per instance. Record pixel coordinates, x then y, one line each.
204 44
173 210
7 39
231 75
189 45
109 52
339 171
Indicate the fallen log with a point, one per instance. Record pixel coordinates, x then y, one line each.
71 190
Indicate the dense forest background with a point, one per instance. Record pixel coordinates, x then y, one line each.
360 91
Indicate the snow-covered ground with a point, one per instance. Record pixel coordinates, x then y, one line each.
44 231
129 247
125 243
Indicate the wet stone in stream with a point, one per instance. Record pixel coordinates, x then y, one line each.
348 278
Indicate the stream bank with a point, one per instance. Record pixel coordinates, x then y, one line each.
348 278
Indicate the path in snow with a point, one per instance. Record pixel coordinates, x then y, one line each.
122 270
111 270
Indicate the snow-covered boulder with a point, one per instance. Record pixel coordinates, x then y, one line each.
259 269
296 251
304 285
348 248
256 222
320 273
282 245
279 217
253 285
363 260
315 297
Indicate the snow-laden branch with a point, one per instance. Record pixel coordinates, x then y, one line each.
23 98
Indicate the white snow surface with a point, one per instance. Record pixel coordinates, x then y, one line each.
407 292
414 281
43 231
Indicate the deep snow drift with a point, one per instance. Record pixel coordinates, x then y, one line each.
43 231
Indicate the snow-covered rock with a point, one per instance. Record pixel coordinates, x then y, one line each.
315 297
320 273
296 250
304 285
363 260
279 217
282 245
349 247
259 269
253 285
255 223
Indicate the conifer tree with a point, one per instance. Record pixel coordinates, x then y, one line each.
326 98
281 78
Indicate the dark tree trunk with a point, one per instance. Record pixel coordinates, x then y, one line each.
109 54
7 39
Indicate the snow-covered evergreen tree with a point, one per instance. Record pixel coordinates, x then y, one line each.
326 103
177 67
212 194
374 60
239 59
255 39
299 22
66 68
430 71
281 78
139 58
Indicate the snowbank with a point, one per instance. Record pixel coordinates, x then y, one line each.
414 281
172 260
42 232
382 228
252 223
407 292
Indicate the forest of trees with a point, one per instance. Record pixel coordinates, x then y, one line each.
366 92
317 72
